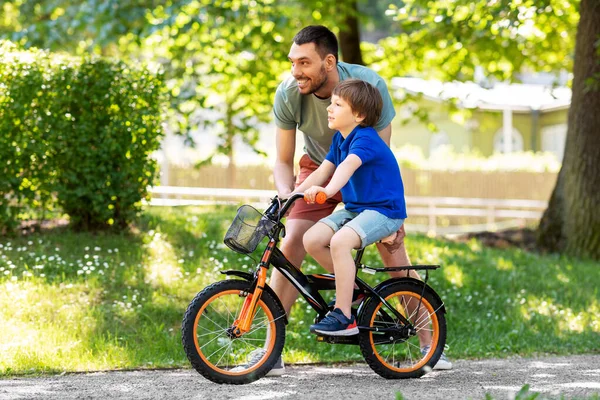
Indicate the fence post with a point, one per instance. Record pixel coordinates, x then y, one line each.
432 218
491 220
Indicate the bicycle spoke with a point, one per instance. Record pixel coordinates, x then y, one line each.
250 344
267 322
210 319
226 345
212 340
229 312
225 352
210 333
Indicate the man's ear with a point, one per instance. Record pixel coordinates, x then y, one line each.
330 63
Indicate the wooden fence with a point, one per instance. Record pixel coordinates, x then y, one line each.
432 215
463 184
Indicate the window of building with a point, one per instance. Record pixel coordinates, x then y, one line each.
553 139
517 140
438 140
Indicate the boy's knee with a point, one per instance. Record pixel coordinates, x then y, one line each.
342 242
308 241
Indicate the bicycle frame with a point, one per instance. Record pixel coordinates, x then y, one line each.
307 285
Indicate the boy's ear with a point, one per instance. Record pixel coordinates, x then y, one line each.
359 118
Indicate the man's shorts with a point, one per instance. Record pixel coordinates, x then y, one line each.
370 225
312 212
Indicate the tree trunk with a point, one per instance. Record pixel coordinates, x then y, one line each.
572 221
350 36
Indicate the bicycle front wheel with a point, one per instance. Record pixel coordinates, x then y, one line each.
394 355
211 348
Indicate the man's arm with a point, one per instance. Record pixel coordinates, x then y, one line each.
283 171
386 134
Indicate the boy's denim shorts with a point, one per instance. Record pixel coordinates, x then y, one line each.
370 225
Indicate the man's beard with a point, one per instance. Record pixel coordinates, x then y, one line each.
317 85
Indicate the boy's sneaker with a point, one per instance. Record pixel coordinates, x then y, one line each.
442 364
254 357
336 324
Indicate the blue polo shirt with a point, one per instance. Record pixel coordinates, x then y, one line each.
376 184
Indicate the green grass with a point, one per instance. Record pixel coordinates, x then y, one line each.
78 302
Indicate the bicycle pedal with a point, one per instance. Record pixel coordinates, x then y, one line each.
353 339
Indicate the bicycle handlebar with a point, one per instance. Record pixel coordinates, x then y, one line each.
320 198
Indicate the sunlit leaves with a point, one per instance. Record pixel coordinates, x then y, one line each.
502 37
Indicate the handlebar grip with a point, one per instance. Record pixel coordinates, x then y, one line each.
320 198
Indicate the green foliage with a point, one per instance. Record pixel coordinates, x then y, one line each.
503 37
224 56
77 134
27 178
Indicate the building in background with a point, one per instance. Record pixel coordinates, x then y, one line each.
502 118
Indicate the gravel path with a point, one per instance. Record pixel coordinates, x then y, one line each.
575 376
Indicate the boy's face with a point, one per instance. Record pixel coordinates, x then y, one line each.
307 67
340 116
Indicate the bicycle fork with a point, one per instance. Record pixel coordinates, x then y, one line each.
244 321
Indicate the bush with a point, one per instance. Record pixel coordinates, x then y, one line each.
76 134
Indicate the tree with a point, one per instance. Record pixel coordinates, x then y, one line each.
505 37
572 222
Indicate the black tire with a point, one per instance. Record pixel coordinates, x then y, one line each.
213 353
396 358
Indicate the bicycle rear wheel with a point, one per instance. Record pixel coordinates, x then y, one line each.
214 352
396 356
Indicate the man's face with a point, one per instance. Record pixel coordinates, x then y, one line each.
307 67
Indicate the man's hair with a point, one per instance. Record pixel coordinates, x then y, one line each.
324 40
363 98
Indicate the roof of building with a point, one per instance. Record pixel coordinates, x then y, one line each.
516 97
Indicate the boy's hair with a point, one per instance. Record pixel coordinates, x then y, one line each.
324 40
363 99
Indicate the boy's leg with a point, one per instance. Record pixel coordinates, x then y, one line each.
342 244
316 243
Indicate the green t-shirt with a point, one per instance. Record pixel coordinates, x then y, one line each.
308 113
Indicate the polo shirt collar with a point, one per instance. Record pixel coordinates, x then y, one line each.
345 144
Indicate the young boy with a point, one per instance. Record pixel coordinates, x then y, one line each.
367 173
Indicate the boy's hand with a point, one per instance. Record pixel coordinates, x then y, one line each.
311 193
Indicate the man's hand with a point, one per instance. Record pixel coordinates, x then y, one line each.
284 195
398 240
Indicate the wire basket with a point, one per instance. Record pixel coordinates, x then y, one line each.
247 230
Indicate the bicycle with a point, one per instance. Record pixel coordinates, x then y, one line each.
233 331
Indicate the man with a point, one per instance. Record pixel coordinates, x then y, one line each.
301 103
